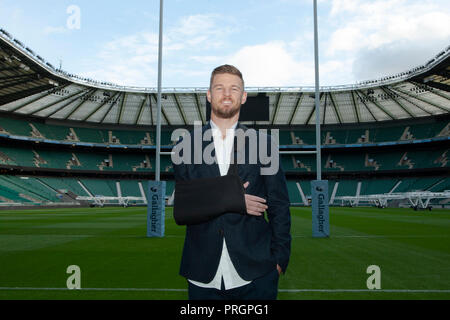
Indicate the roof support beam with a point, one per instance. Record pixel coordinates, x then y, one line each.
19 76
437 85
101 105
197 103
297 105
9 69
110 107
180 110
83 101
277 106
365 105
22 94
120 113
402 95
152 122
389 93
313 109
162 110
444 72
379 106
17 83
46 94
336 109
68 103
423 100
324 113
58 101
355 106
440 94
141 108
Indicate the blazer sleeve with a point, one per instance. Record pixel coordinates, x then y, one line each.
180 170
279 214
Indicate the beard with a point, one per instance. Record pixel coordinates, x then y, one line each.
225 113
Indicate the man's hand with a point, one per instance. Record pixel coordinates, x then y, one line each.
255 205
279 270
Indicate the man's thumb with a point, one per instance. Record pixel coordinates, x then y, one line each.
246 185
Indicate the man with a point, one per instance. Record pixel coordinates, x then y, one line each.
236 256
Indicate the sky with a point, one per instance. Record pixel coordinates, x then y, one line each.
270 41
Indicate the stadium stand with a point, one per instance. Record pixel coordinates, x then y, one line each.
63 137
386 133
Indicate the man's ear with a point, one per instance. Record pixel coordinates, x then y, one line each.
208 96
244 97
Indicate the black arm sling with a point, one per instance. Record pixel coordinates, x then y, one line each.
200 200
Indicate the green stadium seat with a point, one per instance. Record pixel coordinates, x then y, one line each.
15 127
99 187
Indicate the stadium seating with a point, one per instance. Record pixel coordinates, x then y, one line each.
440 185
358 136
100 187
377 186
52 132
15 127
42 190
64 185
10 193
306 136
19 156
382 134
368 187
417 184
130 188
347 188
294 194
27 188
49 190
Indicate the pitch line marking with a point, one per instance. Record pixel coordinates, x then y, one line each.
185 290
89 289
379 236
368 290
182 236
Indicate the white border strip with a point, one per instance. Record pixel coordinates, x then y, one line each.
185 290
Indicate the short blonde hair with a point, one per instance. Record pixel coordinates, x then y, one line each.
226 68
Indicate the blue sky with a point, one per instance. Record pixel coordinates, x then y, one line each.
270 41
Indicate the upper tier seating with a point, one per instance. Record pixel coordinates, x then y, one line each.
307 136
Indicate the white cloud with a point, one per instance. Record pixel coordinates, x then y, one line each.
271 64
129 60
366 39
132 59
55 30
384 37
205 31
360 39
372 24
206 59
341 6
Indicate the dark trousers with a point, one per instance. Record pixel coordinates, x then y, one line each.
262 288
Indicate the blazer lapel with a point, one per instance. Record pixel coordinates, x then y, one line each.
243 153
213 169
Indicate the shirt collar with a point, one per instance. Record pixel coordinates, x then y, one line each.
216 130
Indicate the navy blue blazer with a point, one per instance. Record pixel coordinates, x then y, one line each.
256 244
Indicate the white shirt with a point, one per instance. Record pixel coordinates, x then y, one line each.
225 270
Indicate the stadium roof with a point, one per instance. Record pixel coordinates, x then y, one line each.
30 86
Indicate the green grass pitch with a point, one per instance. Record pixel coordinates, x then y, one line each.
118 261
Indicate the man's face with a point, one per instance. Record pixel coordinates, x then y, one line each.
226 95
